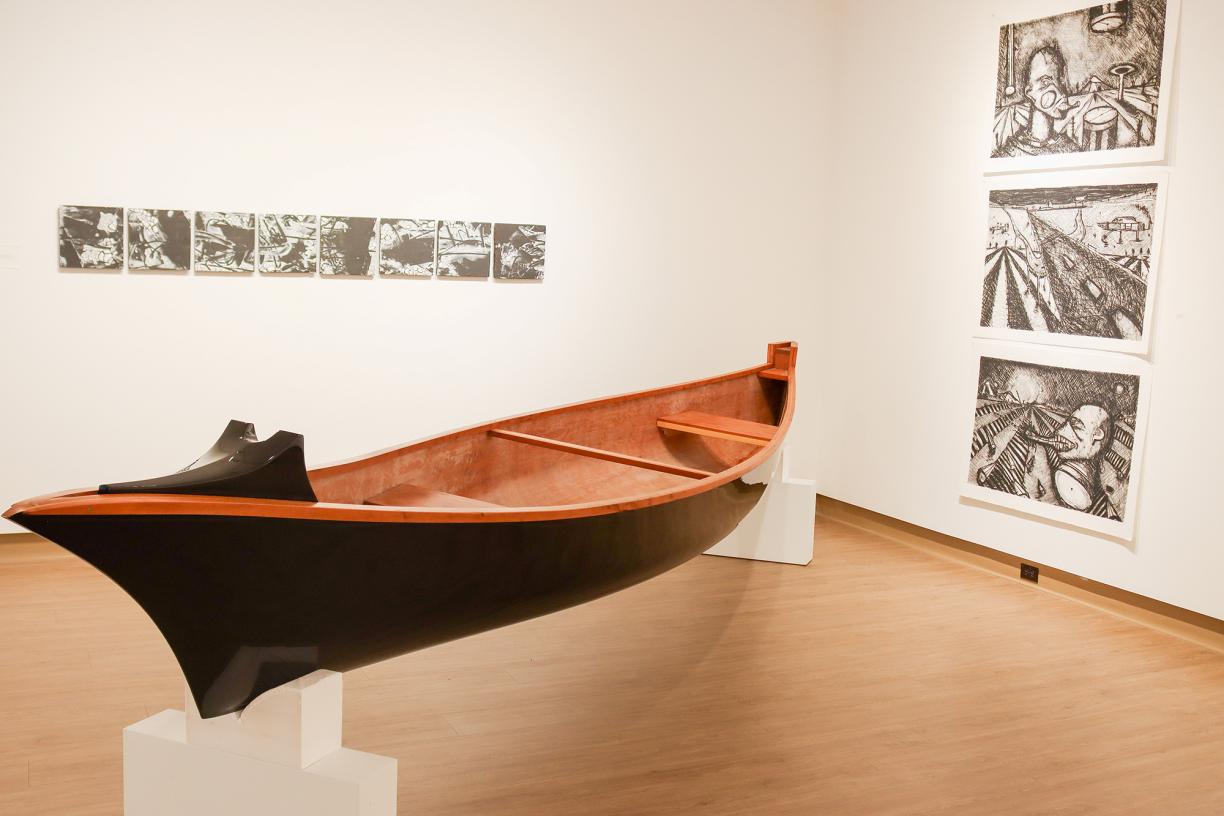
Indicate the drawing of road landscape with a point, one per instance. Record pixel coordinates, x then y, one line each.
1070 260
1080 82
1060 437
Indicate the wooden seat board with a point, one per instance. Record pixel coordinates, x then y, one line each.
722 427
410 495
599 453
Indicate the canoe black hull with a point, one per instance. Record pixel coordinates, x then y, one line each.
249 603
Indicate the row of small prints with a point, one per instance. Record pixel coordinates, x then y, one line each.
148 240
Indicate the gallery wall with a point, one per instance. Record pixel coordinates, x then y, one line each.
901 287
675 151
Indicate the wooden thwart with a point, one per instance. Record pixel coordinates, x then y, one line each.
721 427
410 495
598 453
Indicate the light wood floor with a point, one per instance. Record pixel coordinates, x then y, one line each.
879 680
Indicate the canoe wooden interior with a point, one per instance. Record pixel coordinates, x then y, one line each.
612 451
439 539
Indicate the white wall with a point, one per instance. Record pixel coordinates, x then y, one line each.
900 296
674 150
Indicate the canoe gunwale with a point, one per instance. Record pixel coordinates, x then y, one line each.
89 502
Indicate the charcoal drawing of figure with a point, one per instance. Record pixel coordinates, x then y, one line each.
1055 436
1082 82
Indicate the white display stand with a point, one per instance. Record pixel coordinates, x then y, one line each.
281 755
781 527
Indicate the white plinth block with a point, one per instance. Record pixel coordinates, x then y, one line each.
281 755
781 527
295 724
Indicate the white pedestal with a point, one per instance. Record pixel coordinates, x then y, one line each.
781 527
281 755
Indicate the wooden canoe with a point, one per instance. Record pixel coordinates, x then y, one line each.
258 571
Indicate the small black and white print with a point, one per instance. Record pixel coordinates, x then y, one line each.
159 239
288 244
518 251
90 237
406 247
224 242
347 246
464 249
1062 437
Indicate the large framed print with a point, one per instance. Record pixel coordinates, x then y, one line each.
1058 434
1084 86
1072 258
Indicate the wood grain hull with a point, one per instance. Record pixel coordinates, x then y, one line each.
247 603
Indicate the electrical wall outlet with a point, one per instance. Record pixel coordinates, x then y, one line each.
1029 573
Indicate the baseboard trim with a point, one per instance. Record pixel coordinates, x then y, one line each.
1174 620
